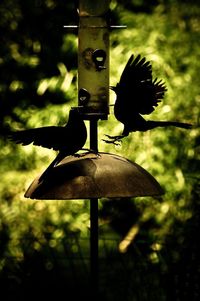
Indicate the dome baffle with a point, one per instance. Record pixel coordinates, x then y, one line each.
91 176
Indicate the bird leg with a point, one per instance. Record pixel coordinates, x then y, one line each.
114 139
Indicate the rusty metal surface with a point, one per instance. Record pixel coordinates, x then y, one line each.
92 176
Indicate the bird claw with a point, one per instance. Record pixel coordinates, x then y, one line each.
94 152
77 155
116 140
111 141
89 151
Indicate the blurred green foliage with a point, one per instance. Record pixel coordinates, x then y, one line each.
49 240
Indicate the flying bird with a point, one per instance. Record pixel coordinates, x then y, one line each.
66 140
137 94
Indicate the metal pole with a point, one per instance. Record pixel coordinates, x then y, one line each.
94 271
93 90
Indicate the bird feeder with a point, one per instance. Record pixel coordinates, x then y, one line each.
93 176
93 58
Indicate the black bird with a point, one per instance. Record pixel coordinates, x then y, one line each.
138 94
67 140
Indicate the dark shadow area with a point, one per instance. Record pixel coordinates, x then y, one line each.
148 270
32 47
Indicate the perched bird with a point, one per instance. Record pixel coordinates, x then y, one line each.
67 140
138 94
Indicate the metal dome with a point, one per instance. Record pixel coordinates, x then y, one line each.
95 176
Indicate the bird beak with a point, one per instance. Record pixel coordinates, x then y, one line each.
112 88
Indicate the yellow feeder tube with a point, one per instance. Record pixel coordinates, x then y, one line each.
93 58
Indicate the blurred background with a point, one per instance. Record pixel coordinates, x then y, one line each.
149 247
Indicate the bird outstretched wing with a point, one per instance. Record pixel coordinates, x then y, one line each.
67 140
136 70
136 89
52 137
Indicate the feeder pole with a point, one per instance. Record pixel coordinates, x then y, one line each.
93 96
94 235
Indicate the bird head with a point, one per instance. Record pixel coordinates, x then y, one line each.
74 112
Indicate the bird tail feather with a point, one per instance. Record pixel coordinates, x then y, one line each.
47 171
153 124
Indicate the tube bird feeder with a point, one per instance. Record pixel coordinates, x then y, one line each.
93 58
87 177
